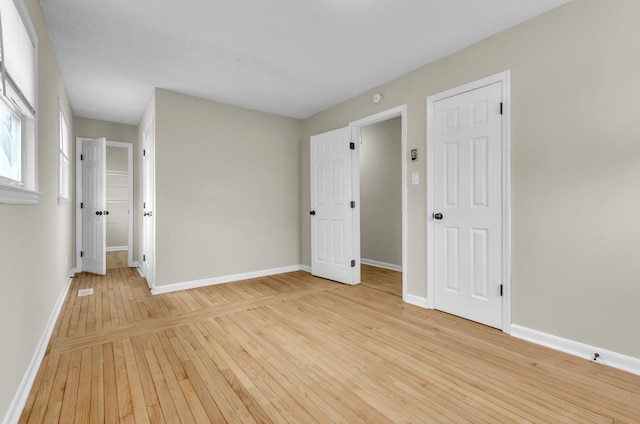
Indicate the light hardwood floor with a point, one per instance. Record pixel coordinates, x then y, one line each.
297 349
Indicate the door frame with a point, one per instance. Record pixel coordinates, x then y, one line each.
504 78
129 147
356 126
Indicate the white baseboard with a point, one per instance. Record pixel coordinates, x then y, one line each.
305 268
224 279
422 302
379 264
20 398
606 357
117 248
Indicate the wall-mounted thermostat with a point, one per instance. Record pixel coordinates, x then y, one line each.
414 154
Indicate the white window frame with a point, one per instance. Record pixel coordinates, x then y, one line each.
25 192
64 156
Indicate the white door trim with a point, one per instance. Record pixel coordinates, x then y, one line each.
79 141
129 147
399 111
505 79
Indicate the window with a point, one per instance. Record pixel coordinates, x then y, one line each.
10 145
63 171
18 179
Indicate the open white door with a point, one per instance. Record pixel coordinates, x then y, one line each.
94 206
332 212
148 195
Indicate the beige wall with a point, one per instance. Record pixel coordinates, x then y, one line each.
381 192
117 159
227 189
576 166
94 128
36 242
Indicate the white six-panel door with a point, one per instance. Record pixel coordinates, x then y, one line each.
332 221
148 215
467 205
94 206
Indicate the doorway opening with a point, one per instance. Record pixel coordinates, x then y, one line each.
335 199
381 205
117 201
115 249
389 125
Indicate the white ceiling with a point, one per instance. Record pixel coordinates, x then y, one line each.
289 57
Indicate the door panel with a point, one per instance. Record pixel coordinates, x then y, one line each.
467 191
94 199
331 190
451 172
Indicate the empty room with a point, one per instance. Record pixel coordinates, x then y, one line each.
334 211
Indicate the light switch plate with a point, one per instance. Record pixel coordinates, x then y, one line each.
415 178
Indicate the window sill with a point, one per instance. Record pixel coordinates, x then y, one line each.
12 195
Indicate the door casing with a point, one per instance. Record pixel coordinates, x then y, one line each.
356 128
505 79
129 147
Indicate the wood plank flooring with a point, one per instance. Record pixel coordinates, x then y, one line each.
293 348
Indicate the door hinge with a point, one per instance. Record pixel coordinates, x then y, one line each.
81 205
501 104
81 157
353 204
81 254
144 258
501 290
353 263
352 146
144 152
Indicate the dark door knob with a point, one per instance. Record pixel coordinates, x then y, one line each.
145 214
106 212
98 212
437 216
312 213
